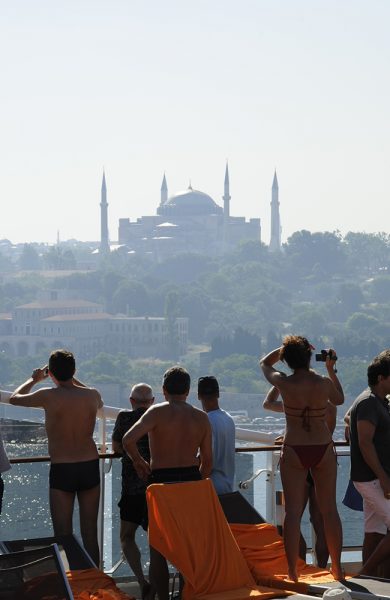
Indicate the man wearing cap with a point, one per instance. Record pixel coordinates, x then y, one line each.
223 435
132 505
370 461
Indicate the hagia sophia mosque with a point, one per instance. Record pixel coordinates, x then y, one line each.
189 221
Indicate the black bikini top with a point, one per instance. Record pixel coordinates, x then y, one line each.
306 414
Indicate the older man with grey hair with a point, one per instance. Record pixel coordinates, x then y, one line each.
132 505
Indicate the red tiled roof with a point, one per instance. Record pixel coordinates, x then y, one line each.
60 304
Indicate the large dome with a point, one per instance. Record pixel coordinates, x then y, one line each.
189 202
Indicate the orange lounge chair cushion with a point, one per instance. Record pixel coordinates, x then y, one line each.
188 527
263 549
92 584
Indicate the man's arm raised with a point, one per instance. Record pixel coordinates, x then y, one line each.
22 395
130 439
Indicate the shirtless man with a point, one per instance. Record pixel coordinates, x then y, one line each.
70 415
178 433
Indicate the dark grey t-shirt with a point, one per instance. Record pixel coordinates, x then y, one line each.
369 407
131 483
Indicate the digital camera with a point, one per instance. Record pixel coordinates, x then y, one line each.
324 355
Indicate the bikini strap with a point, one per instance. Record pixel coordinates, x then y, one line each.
305 415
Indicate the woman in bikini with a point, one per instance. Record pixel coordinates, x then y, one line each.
307 444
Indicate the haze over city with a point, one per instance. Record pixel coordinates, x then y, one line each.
180 87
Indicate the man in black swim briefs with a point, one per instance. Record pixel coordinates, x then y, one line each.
180 449
70 415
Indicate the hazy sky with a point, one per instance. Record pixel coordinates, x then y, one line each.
143 87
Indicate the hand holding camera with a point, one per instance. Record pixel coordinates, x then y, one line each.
329 357
40 374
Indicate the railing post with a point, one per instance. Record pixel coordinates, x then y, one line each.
272 461
102 432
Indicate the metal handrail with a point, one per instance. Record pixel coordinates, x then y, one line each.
259 441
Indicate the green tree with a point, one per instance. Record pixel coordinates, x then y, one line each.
321 250
379 289
361 323
131 297
29 259
367 252
310 321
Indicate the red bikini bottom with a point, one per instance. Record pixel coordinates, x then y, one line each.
309 455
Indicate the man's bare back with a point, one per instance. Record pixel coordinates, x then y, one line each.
70 415
70 422
179 436
178 431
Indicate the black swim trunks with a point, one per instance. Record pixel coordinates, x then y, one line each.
74 477
134 509
174 475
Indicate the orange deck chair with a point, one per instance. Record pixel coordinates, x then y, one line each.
264 552
188 527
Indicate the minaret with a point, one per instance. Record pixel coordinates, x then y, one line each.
276 230
164 191
226 209
104 243
226 195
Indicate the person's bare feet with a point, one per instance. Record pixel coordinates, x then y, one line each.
293 576
338 573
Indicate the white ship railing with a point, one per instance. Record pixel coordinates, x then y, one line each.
264 442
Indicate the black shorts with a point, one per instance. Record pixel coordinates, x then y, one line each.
134 509
74 477
174 475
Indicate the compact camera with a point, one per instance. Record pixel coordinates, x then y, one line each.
324 355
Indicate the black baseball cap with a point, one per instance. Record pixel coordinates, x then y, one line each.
208 386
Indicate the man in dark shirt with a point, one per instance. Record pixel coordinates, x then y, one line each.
132 505
370 460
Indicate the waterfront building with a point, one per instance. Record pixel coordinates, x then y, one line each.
55 320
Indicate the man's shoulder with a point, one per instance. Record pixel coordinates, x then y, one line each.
89 391
127 415
364 406
199 413
222 418
364 397
50 394
220 413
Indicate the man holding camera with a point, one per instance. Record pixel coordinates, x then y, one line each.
70 416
